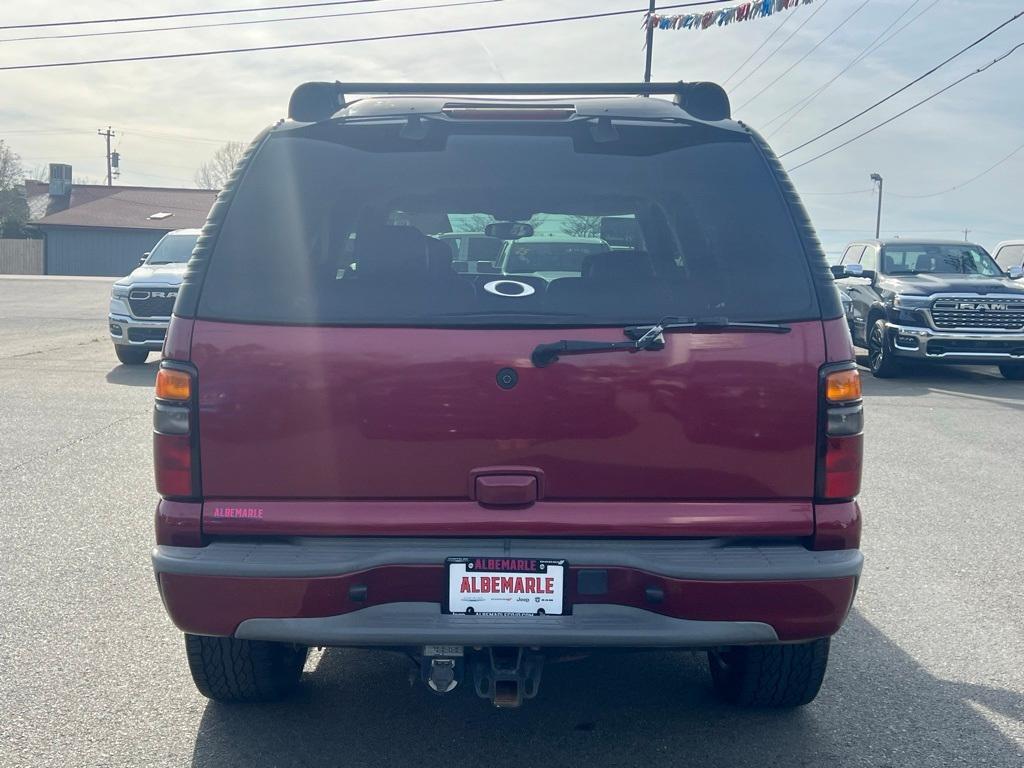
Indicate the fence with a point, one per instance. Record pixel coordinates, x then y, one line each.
21 257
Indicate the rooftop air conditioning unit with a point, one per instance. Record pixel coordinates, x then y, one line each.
60 180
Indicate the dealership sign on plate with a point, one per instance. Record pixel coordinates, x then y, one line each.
505 586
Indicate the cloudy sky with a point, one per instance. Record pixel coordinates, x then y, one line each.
171 115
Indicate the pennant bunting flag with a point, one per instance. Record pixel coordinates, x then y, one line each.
756 9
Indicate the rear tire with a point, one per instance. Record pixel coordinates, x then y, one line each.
231 670
131 355
881 359
770 675
1012 371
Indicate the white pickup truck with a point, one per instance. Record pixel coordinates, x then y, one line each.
141 303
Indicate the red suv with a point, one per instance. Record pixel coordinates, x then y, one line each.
356 445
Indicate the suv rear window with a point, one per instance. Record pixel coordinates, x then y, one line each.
337 224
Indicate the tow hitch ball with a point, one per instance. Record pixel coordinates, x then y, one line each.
506 676
441 675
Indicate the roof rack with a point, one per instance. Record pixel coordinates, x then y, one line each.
312 102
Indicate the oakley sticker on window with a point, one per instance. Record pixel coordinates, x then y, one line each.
513 289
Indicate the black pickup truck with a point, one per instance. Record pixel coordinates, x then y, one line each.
933 300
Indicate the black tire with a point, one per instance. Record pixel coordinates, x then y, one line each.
1012 371
231 670
881 360
131 355
770 675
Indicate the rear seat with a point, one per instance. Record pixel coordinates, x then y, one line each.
400 265
626 278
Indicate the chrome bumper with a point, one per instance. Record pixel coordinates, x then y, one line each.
121 326
955 346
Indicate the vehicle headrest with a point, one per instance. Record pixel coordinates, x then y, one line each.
439 256
617 265
391 250
663 264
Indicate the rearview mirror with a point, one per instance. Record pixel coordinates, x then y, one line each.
509 230
1015 273
144 257
486 268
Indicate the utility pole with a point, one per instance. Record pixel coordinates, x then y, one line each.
650 42
878 219
109 134
966 231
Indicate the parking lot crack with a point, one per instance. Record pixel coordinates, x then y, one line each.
70 443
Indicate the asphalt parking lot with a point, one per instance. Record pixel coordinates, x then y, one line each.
927 672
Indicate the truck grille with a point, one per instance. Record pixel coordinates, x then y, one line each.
1006 314
152 302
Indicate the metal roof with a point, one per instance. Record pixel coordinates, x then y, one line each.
103 207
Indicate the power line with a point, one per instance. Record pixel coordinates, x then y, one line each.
258 9
181 137
792 34
911 108
764 42
815 47
963 183
219 12
900 90
373 38
802 104
851 192
247 21
156 134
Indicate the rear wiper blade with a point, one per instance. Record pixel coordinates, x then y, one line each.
545 354
645 337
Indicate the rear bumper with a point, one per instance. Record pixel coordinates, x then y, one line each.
595 626
388 592
956 346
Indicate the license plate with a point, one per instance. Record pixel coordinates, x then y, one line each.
500 586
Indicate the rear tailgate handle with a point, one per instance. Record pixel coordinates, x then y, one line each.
506 486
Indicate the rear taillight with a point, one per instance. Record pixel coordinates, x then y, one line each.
841 443
175 434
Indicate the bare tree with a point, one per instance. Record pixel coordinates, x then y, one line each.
582 226
13 205
11 170
38 172
214 173
475 223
